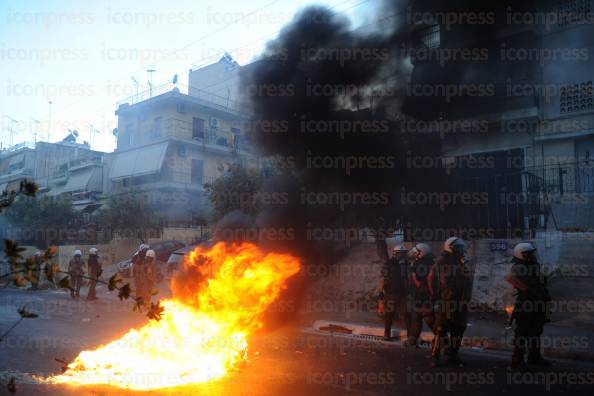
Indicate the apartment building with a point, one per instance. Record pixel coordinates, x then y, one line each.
518 120
170 145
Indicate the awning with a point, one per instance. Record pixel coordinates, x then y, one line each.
77 181
143 161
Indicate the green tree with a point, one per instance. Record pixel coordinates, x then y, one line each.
130 215
43 217
236 189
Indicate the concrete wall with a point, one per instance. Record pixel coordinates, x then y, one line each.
187 235
569 253
218 82
348 289
111 253
142 127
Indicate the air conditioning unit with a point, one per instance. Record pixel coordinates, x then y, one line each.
213 122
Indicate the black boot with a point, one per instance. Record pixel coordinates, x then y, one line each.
454 358
434 361
536 359
518 363
534 356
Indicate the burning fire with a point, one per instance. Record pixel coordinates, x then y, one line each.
509 309
218 301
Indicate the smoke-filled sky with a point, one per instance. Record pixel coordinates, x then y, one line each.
82 55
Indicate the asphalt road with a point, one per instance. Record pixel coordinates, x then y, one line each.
286 361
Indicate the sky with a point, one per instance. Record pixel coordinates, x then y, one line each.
82 56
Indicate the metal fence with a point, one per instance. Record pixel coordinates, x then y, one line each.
569 178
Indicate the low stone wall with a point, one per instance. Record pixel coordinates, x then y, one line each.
111 253
187 235
351 285
567 256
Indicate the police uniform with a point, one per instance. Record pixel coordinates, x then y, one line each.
451 280
421 308
94 264
149 268
76 272
530 311
394 277
138 273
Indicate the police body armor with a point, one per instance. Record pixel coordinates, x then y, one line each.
534 301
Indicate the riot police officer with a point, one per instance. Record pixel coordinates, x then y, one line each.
421 308
394 288
138 270
76 272
449 282
94 265
530 310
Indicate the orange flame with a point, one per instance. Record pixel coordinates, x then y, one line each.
509 309
217 304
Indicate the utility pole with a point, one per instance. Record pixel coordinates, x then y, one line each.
49 126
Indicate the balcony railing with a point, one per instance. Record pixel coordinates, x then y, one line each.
175 127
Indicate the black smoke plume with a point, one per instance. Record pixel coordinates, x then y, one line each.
326 105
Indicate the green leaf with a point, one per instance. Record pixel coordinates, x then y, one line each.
113 282
28 188
155 311
13 250
124 292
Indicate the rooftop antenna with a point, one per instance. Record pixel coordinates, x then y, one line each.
150 72
137 84
11 129
49 123
36 129
92 132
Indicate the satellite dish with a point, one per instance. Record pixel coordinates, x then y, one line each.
114 132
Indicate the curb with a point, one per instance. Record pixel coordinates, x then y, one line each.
358 329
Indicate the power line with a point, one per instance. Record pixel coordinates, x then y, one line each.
239 19
245 45
210 59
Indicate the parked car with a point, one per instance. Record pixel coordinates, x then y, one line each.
175 259
162 249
